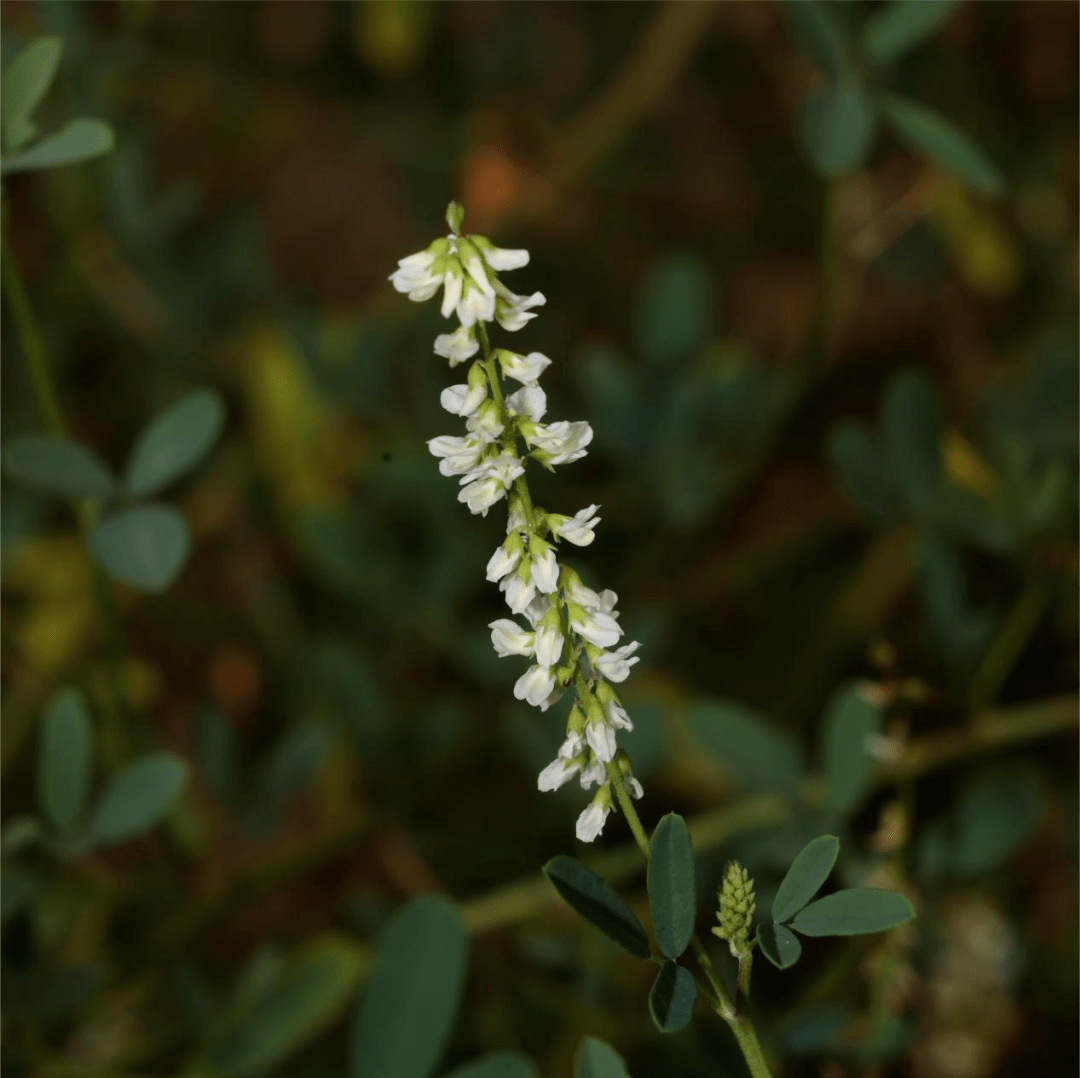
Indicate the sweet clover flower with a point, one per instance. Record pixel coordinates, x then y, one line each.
573 631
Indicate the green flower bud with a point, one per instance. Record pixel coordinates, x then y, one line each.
735 897
455 215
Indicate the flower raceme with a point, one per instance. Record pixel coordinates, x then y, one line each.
573 632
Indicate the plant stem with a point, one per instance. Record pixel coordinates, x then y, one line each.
1007 646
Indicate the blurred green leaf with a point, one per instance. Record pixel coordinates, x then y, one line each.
837 125
57 465
778 944
306 998
19 832
912 425
993 818
412 997
263 971
596 900
901 25
144 546
817 31
672 998
287 769
215 747
851 719
674 310
138 797
17 890
930 134
804 878
174 442
750 748
853 912
814 1030
497 1065
78 140
25 81
858 462
597 1059
672 887
65 759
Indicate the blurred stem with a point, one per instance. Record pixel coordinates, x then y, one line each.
1008 645
52 415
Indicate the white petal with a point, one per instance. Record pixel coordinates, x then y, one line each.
508 638
549 645
555 774
502 259
591 822
545 572
601 739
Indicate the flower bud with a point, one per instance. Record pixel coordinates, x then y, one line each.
735 897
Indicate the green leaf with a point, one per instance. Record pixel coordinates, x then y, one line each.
144 546
853 912
778 944
57 465
993 819
25 81
674 309
808 872
817 32
894 29
595 899
412 997
77 141
860 467
497 1065
929 133
65 759
755 752
138 797
672 998
672 890
851 719
174 442
912 425
302 1001
837 125
597 1059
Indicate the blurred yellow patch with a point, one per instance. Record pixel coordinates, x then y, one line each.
296 434
983 249
392 35
965 467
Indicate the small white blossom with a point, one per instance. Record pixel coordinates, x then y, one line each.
545 571
519 590
601 739
563 442
508 638
591 821
537 609
617 716
530 402
635 788
501 259
481 494
592 775
523 369
415 277
457 346
549 645
514 312
535 685
598 628
475 305
572 746
504 467
578 529
503 561
452 285
485 424
556 773
615 665
459 455
463 399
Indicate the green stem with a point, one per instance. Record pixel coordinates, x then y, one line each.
747 1037
1007 646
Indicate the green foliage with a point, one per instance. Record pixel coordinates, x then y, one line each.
805 876
65 759
174 442
496 1065
597 901
911 426
672 998
900 25
596 1059
815 27
674 311
78 140
779 944
144 546
137 798
861 468
756 753
850 720
57 465
856 911
838 124
672 890
412 996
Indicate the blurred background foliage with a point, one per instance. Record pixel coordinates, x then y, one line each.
811 274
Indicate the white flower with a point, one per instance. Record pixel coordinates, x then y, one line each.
531 402
457 346
524 369
572 746
608 599
514 312
475 305
591 821
549 645
593 774
486 424
452 281
578 529
535 685
459 455
553 697
519 592
537 610
615 665
481 494
463 399
583 596
474 266
505 468
598 628
601 739
501 259
617 716
503 561
545 571
515 519
556 773
564 442
634 787
414 276
508 638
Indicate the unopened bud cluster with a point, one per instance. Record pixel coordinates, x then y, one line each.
735 899
573 631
